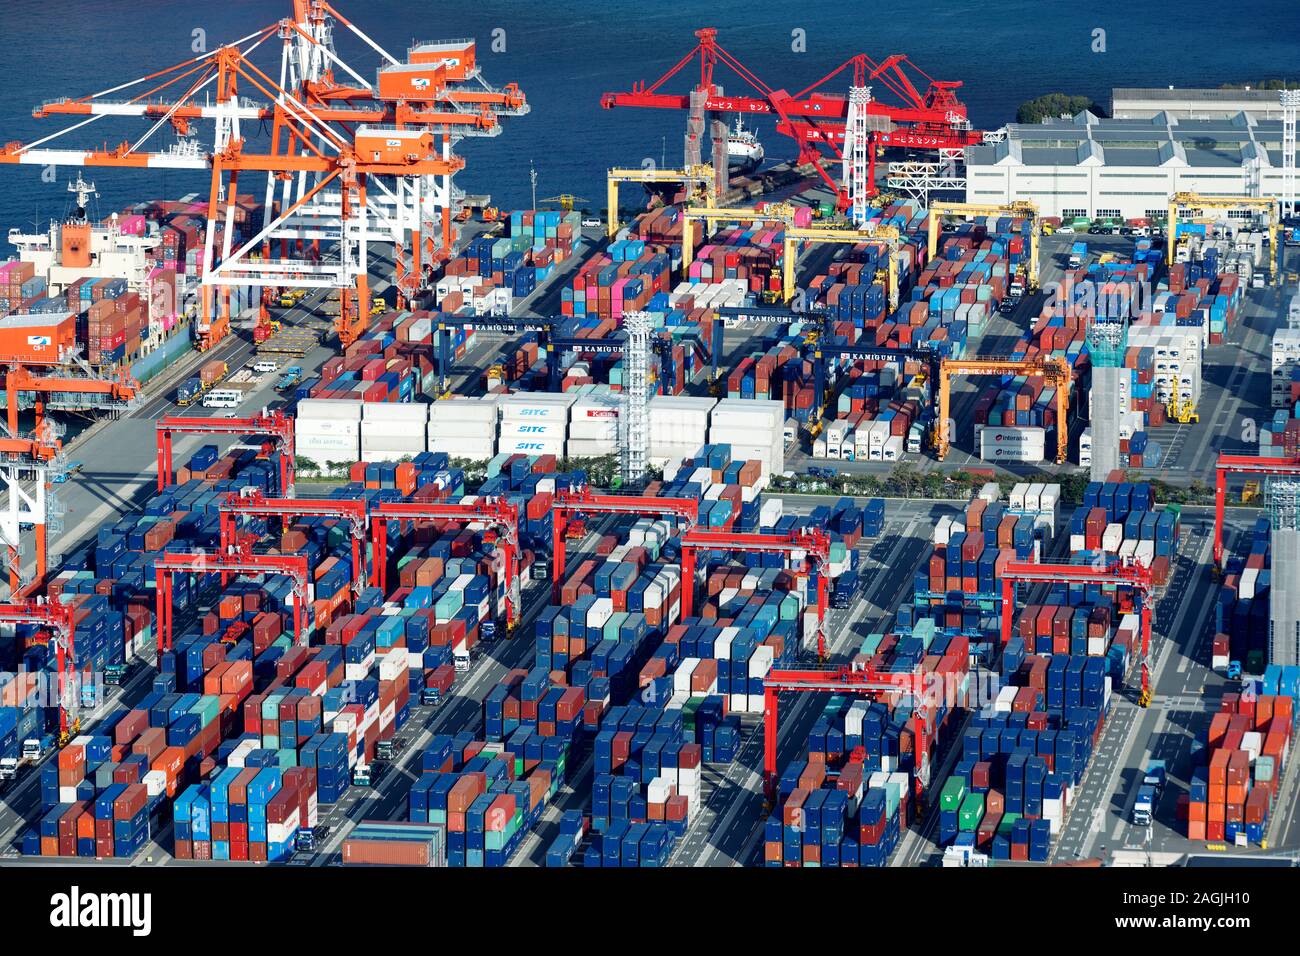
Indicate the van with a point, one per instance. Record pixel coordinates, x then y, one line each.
265 365
223 398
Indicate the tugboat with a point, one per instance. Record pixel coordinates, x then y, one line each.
744 151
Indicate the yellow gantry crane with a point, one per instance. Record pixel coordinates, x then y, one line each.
1054 369
1025 208
773 212
701 177
566 201
888 235
1195 202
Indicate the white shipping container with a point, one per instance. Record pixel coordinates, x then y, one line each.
327 448
540 429
462 430
344 408
398 413
536 406
1012 444
521 445
1112 537
326 426
472 449
590 448
459 408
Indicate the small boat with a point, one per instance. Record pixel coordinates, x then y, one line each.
744 151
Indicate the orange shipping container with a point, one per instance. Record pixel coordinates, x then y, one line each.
36 339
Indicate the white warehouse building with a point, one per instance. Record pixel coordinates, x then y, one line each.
1088 166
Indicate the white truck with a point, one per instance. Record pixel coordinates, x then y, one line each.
33 750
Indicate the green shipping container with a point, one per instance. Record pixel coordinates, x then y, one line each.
952 794
971 812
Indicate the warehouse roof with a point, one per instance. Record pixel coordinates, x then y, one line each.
1208 96
1086 139
33 320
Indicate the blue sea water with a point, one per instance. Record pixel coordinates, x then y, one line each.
565 54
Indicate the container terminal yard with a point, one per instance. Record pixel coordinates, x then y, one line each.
797 512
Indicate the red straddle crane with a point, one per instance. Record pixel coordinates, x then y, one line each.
236 561
1132 576
252 503
277 425
499 514
814 118
1242 465
59 620
585 501
811 544
864 682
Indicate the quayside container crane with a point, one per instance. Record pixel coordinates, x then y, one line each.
1242 465
28 465
59 620
109 395
862 682
567 504
815 118
253 504
811 544
1054 369
276 425
499 515
1133 576
236 561
347 164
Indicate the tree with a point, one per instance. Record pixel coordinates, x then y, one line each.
1052 105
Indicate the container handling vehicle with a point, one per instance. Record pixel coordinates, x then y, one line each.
1078 252
290 379
1149 791
33 752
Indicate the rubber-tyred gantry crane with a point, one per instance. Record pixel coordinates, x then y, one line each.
236 561
252 503
1133 576
349 162
584 501
1021 207
696 181
1242 465
814 118
499 514
59 620
812 544
1054 369
277 425
864 682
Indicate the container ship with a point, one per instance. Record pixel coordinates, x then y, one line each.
120 292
